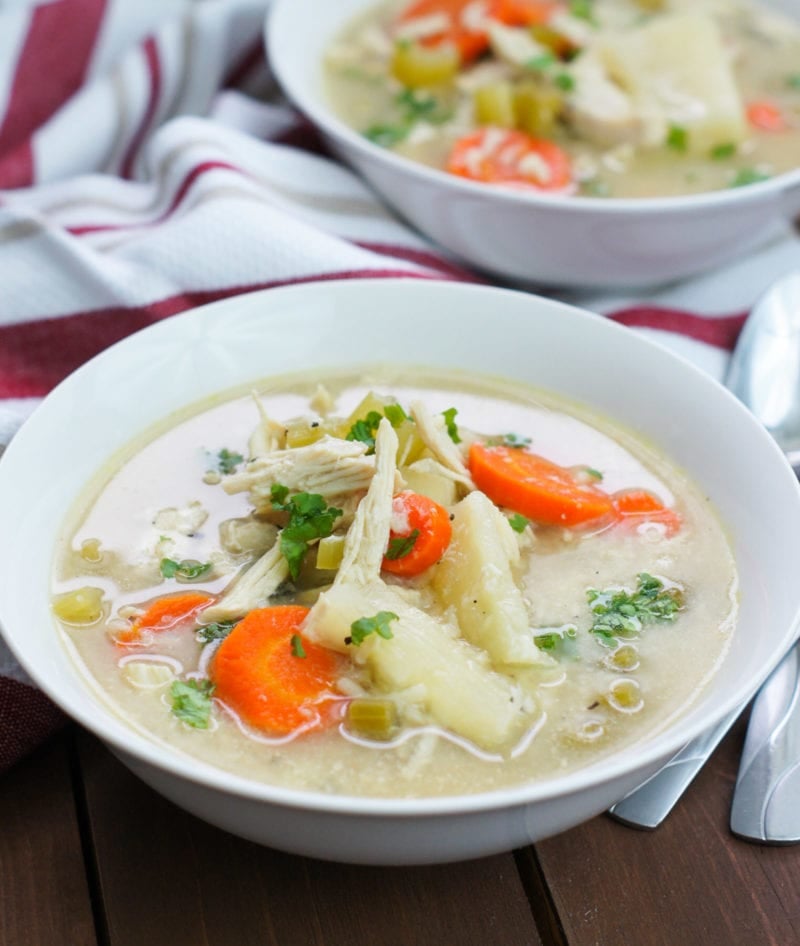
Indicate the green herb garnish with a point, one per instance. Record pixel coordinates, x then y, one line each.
558 640
401 546
309 518
514 441
450 422
518 522
619 613
217 631
721 152
565 82
387 136
378 624
583 10
793 81
364 430
227 461
543 61
297 646
191 701
747 176
677 138
188 569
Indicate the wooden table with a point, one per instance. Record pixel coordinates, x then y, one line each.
89 856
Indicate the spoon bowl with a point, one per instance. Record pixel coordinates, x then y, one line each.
764 371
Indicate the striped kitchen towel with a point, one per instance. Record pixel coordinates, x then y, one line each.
147 166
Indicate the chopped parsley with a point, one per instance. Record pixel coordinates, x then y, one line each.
565 82
583 10
227 461
511 440
518 522
793 81
297 646
618 613
747 176
558 640
450 422
677 138
365 428
378 624
188 569
217 631
542 61
402 545
413 106
721 152
309 518
191 702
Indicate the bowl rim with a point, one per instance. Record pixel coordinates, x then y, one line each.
285 12
98 716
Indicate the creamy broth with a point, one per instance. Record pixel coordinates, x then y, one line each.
581 696
632 98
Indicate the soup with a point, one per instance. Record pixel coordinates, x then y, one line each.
395 587
611 98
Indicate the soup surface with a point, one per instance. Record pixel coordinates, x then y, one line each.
396 586
621 98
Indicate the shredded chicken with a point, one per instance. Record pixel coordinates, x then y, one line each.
514 45
433 433
268 436
600 110
252 589
330 467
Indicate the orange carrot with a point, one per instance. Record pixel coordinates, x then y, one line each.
766 116
422 540
524 12
467 30
271 676
536 487
512 158
165 613
635 506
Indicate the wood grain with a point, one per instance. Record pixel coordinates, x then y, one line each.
689 881
44 896
166 877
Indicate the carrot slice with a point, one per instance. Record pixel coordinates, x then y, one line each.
635 506
165 613
509 157
536 487
525 12
466 21
422 540
766 116
261 674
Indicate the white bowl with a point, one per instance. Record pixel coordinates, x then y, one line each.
123 391
545 239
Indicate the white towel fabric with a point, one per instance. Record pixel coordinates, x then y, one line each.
147 167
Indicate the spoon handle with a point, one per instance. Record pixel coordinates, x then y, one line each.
649 804
765 801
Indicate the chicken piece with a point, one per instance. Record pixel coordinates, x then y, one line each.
598 109
186 520
252 588
329 466
432 430
268 436
514 45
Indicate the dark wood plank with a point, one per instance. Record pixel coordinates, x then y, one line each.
44 895
690 881
166 877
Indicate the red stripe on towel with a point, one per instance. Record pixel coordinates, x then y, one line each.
51 68
183 189
150 50
719 331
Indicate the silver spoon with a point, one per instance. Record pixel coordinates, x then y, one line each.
764 373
